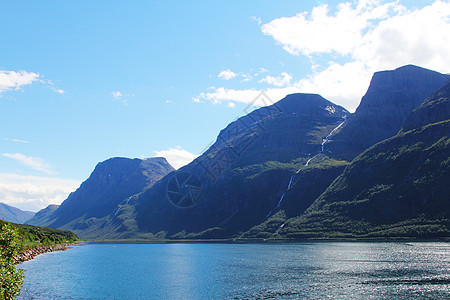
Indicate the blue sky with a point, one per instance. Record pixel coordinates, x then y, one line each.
82 81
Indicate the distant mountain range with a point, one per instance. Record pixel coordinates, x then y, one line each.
300 168
12 214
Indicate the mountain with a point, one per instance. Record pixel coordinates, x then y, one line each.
391 97
241 177
111 184
398 187
12 214
43 216
432 110
302 167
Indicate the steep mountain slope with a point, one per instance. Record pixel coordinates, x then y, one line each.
241 178
12 214
43 216
434 109
391 97
111 183
399 187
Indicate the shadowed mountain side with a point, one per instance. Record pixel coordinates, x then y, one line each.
244 174
391 97
306 186
13 214
43 217
434 109
111 183
399 187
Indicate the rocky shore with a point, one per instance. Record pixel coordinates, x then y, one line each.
32 253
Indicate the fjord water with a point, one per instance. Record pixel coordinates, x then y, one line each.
241 271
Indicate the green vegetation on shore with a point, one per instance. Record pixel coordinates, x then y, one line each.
15 238
11 279
34 236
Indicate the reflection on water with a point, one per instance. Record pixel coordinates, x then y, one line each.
242 271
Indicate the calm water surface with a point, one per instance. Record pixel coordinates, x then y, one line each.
242 271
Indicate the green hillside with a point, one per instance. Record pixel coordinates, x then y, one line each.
397 188
33 236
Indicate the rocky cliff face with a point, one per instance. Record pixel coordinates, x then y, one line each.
399 187
284 171
391 97
434 109
241 178
111 183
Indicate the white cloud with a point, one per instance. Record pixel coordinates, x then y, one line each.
346 47
227 74
121 97
17 141
117 95
342 84
319 32
34 192
368 36
283 80
219 95
11 80
177 157
35 163
256 19
246 77
51 85
59 91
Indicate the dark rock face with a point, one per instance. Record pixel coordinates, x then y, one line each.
434 109
12 214
398 187
110 183
245 172
283 171
391 97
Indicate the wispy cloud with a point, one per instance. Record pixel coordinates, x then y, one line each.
12 80
177 157
117 95
34 192
283 80
256 19
347 46
366 36
35 163
227 74
16 140
224 95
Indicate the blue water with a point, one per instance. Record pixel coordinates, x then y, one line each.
242 271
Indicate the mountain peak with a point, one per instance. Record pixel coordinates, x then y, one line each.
391 97
111 183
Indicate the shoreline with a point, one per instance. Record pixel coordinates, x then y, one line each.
33 252
266 241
